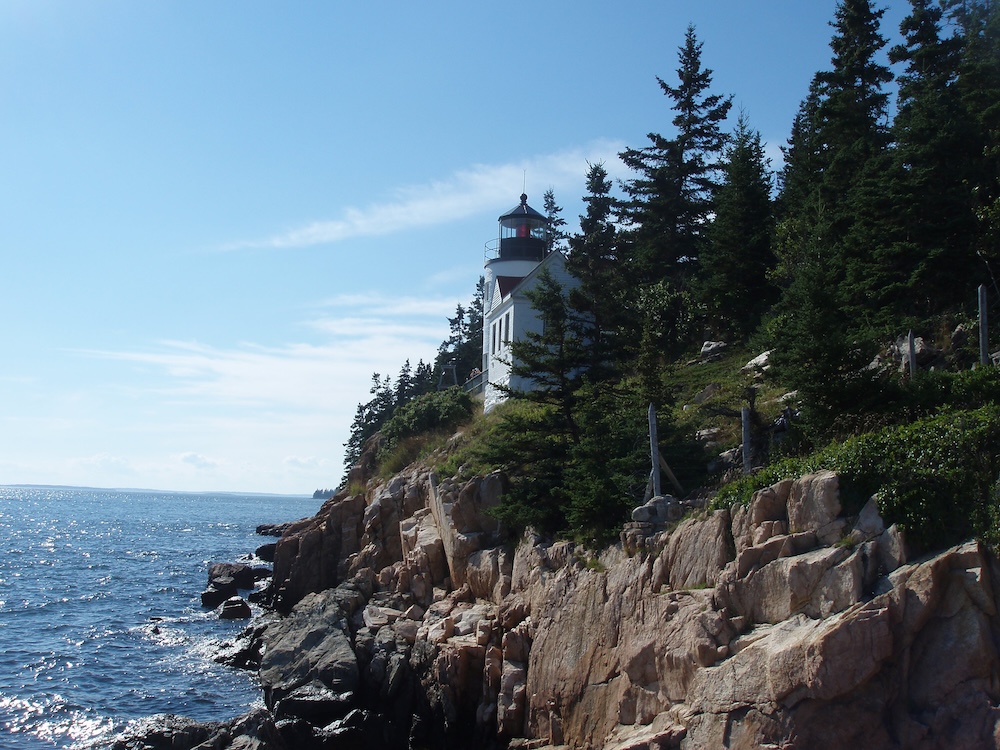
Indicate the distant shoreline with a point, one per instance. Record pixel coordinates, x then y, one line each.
160 492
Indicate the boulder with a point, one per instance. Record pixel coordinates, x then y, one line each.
314 702
712 350
312 645
266 551
234 608
217 592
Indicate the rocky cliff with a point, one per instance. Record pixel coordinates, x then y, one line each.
409 621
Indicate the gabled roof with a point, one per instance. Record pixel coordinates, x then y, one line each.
507 284
555 257
504 287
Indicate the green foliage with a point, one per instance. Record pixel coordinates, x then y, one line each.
879 226
463 349
582 487
555 235
733 285
936 477
438 410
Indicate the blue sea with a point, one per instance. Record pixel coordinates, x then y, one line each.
100 611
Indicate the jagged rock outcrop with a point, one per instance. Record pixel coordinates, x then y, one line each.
412 622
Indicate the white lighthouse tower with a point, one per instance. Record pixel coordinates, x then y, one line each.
513 262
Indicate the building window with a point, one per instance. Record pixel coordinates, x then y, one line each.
493 339
506 328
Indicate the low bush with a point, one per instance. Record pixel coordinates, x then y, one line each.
936 477
431 412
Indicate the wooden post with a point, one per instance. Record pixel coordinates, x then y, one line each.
984 346
654 452
745 416
911 354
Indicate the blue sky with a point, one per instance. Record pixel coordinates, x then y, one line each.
217 219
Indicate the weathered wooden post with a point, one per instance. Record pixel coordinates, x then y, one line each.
745 416
654 452
984 345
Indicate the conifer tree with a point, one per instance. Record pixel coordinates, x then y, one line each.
369 417
463 347
733 284
933 248
555 359
798 208
667 210
555 234
826 318
594 261
978 85
671 196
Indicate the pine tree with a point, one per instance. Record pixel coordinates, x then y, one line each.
536 434
463 347
798 207
934 155
555 234
554 360
594 261
733 284
369 417
826 320
671 198
978 85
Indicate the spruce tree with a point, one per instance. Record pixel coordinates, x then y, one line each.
978 85
668 207
733 284
798 207
827 321
464 346
554 360
555 234
934 247
594 261
671 198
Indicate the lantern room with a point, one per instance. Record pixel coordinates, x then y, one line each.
523 233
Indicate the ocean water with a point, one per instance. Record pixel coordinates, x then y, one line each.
100 610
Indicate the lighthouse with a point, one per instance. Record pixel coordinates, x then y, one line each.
512 265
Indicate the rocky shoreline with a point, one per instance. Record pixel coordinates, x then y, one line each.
403 617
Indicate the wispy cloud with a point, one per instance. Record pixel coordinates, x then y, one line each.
352 336
464 193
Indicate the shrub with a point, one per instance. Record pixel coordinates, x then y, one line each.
436 411
937 477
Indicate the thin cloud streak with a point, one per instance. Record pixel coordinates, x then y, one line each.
469 191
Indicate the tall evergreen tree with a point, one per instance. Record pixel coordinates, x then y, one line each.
555 233
667 211
733 284
554 360
594 261
978 84
671 198
934 248
369 417
827 316
798 207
